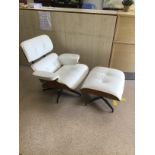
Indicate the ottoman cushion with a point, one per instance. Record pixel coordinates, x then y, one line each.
105 81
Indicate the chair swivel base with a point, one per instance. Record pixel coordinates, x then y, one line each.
54 85
60 92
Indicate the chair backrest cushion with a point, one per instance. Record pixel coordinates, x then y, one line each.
37 47
50 63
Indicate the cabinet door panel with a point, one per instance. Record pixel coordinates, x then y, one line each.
123 57
90 35
125 31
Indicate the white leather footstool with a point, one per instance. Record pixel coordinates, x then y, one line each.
104 82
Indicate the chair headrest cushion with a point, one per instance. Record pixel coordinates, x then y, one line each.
37 47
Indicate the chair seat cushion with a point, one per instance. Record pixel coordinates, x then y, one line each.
106 80
45 75
50 63
72 75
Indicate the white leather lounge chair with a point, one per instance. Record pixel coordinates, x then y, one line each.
60 72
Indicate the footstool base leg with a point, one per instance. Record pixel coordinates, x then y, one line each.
95 98
75 92
106 101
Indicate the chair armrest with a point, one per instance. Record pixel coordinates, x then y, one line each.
69 59
45 75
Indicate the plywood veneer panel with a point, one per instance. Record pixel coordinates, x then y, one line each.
123 57
90 35
125 30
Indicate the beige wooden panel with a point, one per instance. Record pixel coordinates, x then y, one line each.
27 19
89 35
58 21
26 31
88 24
123 57
94 51
125 29
59 42
83 11
28 28
76 43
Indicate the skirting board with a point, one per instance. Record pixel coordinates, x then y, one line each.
130 75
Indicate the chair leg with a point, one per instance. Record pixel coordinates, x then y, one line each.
95 98
75 92
106 101
59 94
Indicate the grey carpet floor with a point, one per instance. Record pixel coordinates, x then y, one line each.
70 128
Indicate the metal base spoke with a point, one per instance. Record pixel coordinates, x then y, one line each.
95 98
105 100
60 91
75 92
59 94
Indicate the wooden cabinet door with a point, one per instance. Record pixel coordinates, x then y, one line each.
123 57
125 30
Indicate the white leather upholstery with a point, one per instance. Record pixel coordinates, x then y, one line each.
37 47
45 75
106 80
50 63
69 59
72 75
50 67
69 75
